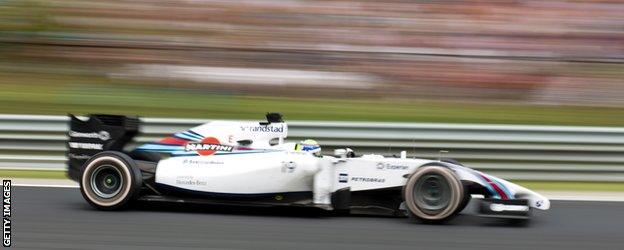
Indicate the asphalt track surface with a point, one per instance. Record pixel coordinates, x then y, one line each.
58 218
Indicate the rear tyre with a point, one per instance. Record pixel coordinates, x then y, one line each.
144 156
110 181
433 194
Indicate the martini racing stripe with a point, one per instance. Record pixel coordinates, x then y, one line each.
179 150
171 141
184 153
486 184
184 137
160 147
494 188
195 134
509 194
195 137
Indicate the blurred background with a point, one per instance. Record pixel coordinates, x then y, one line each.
500 61
496 84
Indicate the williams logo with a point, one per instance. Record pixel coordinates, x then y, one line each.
343 178
207 146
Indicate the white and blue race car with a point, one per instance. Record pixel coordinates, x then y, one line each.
249 163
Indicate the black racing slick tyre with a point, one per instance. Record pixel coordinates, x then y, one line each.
464 203
433 194
110 181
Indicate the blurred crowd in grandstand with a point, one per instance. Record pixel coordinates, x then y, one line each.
520 51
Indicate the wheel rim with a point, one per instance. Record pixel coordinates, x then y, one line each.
432 193
106 181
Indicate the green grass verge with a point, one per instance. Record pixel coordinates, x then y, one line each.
536 185
162 102
37 174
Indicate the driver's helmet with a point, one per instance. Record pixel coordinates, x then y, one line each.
309 145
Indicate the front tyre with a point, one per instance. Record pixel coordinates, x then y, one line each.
110 181
433 194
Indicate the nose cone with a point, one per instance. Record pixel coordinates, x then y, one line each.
543 204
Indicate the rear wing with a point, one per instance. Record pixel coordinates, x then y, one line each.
96 133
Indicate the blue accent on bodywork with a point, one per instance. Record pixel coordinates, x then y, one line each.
195 134
488 186
160 147
185 137
504 188
195 137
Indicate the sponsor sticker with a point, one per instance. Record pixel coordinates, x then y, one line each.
539 203
6 213
78 157
201 162
207 146
513 208
343 178
388 166
85 145
266 129
368 179
102 135
190 181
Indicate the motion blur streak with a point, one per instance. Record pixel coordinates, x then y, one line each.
512 51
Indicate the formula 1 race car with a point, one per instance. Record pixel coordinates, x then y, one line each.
249 163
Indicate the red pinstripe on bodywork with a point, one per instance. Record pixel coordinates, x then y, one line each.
496 187
173 141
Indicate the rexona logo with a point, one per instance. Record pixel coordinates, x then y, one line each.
207 146
267 129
